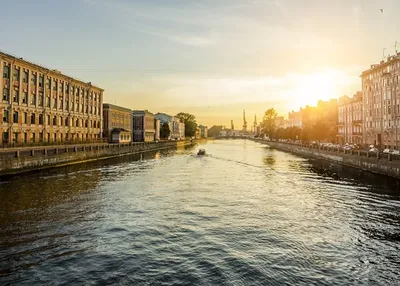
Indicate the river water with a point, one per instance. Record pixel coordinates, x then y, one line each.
242 215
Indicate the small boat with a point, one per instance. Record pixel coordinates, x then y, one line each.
201 152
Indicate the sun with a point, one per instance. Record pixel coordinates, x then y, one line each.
310 88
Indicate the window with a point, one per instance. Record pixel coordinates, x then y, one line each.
54 84
67 88
41 137
25 97
54 102
41 119
54 120
5 137
77 123
86 123
66 121
15 96
48 119
41 98
33 137
5 115
48 83
62 87
47 101
41 80
33 99
6 72
15 117
6 94
25 137
33 80
25 118
25 77
55 137
33 118
16 75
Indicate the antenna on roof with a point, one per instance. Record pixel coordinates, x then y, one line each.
383 54
395 47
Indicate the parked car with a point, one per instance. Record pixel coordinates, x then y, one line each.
395 152
386 151
373 150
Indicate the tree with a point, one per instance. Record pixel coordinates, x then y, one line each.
190 123
268 123
165 131
320 131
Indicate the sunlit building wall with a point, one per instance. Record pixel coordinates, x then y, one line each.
143 129
294 119
350 123
43 105
381 99
116 117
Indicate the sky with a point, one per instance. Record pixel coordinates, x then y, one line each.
211 58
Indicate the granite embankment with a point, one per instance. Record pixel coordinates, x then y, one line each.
19 160
384 164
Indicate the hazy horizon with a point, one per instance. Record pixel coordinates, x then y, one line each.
209 58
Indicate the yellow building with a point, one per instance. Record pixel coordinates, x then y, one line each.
43 105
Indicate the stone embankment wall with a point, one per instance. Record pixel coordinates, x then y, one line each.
384 164
25 159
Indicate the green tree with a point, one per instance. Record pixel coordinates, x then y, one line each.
190 123
320 131
165 131
268 123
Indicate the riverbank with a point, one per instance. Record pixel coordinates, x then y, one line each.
384 164
19 160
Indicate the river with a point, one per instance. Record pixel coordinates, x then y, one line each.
242 215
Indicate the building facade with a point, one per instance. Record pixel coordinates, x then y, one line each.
116 117
350 123
143 126
175 126
43 105
381 103
294 119
182 130
157 126
203 131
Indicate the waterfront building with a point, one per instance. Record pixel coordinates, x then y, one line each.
215 130
198 133
381 103
120 135
44 105
143 126
157 126
181 130
177 130
203 131
116 117
350 123
294 119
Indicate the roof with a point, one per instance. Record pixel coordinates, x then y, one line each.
382 64
112 106
47 70
141 112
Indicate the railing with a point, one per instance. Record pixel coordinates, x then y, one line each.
341 150
55 149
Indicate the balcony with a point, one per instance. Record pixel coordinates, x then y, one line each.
357 133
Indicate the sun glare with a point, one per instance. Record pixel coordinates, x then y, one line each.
317 86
